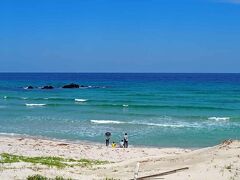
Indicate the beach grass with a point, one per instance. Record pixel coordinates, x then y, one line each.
40 177
57 162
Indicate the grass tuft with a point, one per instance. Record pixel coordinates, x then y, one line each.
37 177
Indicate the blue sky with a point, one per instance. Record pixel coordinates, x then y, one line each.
120 36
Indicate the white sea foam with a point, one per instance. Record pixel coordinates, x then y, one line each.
9 134
107 122
80 100
125 105
138 123
164 125
5 97
35 104
219 118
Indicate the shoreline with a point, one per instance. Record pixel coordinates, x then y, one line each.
50 139
87 142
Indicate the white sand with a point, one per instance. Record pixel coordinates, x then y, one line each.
219 162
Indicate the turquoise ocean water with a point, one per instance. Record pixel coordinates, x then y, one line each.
164 110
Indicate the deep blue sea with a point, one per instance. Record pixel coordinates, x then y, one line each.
163 110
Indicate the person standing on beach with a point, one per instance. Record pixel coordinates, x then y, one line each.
107 135
107 140
125 140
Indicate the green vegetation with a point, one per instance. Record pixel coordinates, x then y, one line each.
49 161
229 167
39 177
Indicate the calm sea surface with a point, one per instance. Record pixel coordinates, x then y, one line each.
164 110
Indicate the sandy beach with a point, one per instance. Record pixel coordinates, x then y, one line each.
218 162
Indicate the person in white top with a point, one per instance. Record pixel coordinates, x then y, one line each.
121 144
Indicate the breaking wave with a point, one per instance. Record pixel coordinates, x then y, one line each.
219 118
80 100
107 122
35 104
137 123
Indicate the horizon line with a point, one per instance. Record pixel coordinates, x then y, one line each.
124 72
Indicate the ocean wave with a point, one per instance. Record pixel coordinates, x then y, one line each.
219 118
55 98
35 104
9 134
152 106
12 97
45 98
198 125
108 104
137 123
107 122
165 125
80 100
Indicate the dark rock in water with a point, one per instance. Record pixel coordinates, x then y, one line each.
72 85
29 87
47 87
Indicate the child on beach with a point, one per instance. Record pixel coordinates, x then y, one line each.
114 144
121 144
